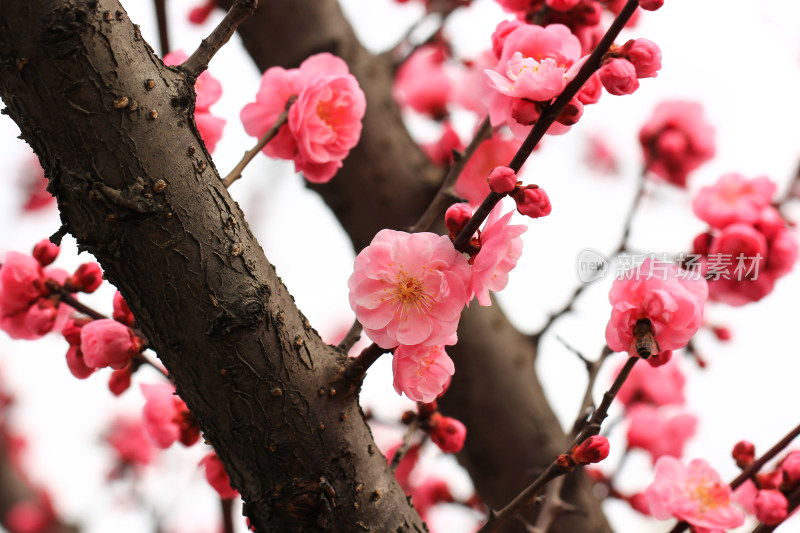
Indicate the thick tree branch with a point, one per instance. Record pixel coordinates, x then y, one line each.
74 76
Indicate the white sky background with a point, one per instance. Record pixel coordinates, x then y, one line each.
739 58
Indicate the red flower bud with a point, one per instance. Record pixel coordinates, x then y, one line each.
502 180
744 453
87 278
592 450
45 252
449 434
456 217
532 201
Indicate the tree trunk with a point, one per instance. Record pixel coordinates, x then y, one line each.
114 131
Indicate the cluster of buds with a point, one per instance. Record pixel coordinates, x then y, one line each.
624 65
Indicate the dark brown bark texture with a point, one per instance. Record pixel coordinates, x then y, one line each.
386 182
114 130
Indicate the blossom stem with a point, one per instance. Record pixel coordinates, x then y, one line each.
548 116
359 366
752 469
73 302
227 515
198 61
351 337
444 197
236 173
406 445
163 27
529 496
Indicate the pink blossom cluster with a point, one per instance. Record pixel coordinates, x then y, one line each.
208 90
768 501
676 140
748 246
30 305
422 82
166 418
324 122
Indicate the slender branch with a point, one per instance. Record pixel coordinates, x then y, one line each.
68 298
359 366
445 194
408 438
198 61
752 469
236 173
548 116
528 496
227 515
351 337
163 28
593 368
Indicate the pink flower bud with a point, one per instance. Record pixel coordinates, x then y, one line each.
87 278
592 450
41 317
501 32
618 76
744 452
200 14
456 217
645 56
166 418
72 330
217 477
791 468
120 380
533 202
449 434
650 5
771 506
45 252
722 333
571 113
121 311
77 367
524 111
502 180
106 342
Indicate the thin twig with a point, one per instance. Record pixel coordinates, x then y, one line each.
359 366
163 27
68 298
753 468
351 337
548 116
236 173
408 438
593 369
227 515
626 233
198 61
444 196
528 496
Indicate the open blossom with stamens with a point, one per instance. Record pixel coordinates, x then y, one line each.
409 288
501 248
693 493
527 78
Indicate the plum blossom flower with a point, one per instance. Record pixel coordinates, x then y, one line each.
527 78
654 386
409 288
422 372
651 430
324 123
693 493
208 90
672 302
128 439
422 83
618 76
500 249
217 477
733 198
106 342
676 140
166 418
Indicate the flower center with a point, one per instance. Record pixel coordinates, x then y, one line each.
409 295
709 495
330 112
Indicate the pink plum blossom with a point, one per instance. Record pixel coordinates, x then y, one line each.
217 477
733 198
676 140
409 288
618 76
659 434
324 123
500 249
645 55
448 434
106 342
535 63
771 506
166 418
422 83
693 493
208 90
128 439
655 386
532 201
502 180
45 252
491 153
671 300
421 372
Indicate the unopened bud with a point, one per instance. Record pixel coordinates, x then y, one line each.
456 217
771 507
87 278
791 469
45 252
743 453
592 450
449 434
650 5
532 201
525 111
571 113
502 180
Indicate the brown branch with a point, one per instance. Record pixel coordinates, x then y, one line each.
351 337
163 26
198 61
548 116
444 197
227 515
408 438
358 367
236 173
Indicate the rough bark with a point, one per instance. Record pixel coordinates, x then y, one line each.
513 433
114 130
